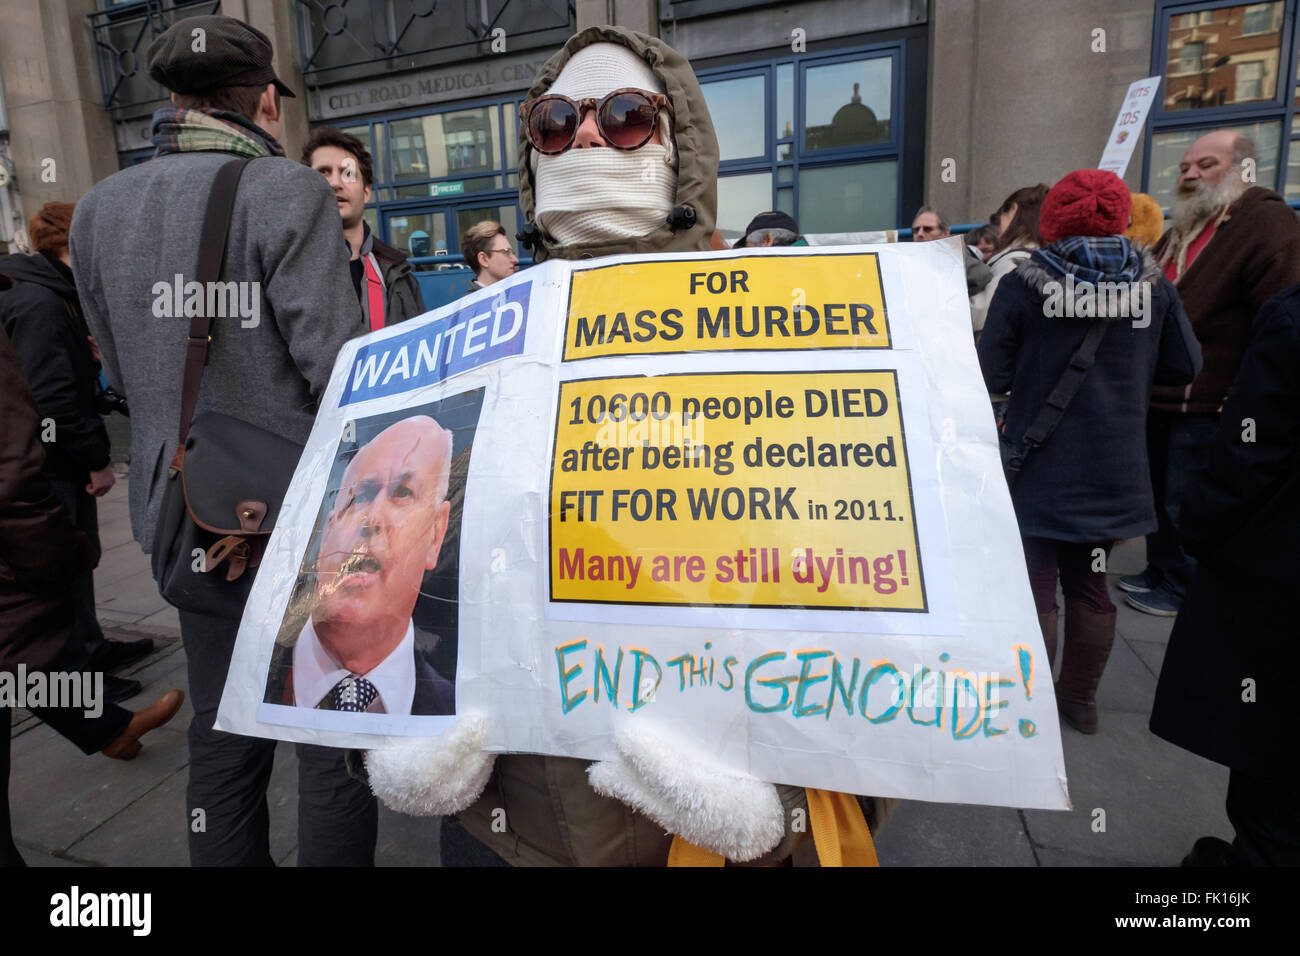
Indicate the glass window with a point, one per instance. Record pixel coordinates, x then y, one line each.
785 200
378 155
785 101
738 109
507 215
1204 67
1261 18
410 157
847 104
511 159
740 199
785 109
418 234
1250 80
445 144
1297 81
1293 172
1167 150
856 198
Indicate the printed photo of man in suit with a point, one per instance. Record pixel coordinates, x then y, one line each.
358 651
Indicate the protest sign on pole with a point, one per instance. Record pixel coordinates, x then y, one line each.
751 501
1126 132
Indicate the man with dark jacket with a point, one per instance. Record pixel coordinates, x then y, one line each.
42 316
134 233
1225 691
1229 250
40 551
39 547
385 284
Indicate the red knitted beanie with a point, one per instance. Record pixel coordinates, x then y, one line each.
1087 202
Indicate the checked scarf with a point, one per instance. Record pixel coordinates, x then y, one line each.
177 130
1092 259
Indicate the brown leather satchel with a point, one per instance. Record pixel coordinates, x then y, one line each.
227 478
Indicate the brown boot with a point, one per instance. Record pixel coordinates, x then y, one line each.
1047 623
1089 635
127 744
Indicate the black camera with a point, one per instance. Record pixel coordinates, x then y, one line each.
108 400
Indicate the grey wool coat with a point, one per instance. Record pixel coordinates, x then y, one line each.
140 228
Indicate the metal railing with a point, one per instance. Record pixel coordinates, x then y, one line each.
122 38
334 34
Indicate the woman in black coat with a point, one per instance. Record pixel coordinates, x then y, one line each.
40 551
1226 691
42 316
1087 486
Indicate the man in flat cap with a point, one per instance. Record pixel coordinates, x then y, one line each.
269 368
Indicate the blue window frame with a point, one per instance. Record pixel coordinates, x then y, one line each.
1225 63
818 135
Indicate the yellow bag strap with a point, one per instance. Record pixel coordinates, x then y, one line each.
839 829
685 853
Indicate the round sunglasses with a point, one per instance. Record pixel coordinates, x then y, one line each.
625 117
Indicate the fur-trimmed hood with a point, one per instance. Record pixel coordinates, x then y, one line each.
696 146
1092 277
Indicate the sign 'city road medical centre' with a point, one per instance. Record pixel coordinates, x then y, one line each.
496 74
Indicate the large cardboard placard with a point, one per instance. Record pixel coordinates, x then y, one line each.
751 500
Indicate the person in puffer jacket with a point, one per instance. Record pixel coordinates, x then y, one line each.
581 201
1087 486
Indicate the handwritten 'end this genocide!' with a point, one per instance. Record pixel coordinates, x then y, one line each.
735 490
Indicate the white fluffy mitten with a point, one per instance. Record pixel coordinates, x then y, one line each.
433 776
736 816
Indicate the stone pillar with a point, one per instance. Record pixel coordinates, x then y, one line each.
61 137
639 15
1016 100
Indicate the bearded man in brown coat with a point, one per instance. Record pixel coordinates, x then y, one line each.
1230 248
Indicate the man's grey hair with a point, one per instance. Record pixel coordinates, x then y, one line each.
945 225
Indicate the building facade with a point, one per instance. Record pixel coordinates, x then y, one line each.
848 114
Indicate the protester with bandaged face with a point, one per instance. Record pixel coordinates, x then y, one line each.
619 156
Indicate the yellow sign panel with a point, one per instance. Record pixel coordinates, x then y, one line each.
777 489
745 304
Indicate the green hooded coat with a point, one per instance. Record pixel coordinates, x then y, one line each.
552 816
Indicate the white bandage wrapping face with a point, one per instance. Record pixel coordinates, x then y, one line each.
598 194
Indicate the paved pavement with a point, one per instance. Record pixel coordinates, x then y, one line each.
72 810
